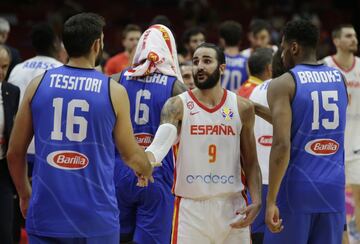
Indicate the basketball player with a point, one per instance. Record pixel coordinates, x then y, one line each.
149 88
236 72
47 46
77 116
260 70
215 130
306 195
346 43
263 137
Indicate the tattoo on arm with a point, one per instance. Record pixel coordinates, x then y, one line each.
172 111
178 88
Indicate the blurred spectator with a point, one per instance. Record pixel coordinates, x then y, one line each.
9 103
259 36
191 38
230 34
4 34
260 70
120 61
187 75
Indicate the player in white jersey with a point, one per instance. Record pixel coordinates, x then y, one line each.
215 131
346 43
47 46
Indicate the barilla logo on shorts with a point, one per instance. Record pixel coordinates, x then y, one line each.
144 139
321 147
68 160
265 141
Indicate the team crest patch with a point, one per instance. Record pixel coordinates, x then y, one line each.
227 113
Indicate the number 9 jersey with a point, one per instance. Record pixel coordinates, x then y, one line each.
315 178
208 163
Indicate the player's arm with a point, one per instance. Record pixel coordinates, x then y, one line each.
132 154
178 88
20 139
279 97
250 162
166 135
263 112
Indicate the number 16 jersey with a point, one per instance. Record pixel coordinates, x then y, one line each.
208 162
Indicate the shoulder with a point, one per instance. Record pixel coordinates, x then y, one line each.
246 109
326 60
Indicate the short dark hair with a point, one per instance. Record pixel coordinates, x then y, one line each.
80 32
303 32
259 59
162 20
192 31
336 33
220 56
43 39
277 65
129 28
231 32
257 25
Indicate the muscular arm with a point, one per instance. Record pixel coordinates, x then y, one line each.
279 97
263 112
248 149
178 88
132 154
20 139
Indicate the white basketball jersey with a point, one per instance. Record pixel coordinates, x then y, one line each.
24 72
247 52
263 131
208 160
352 129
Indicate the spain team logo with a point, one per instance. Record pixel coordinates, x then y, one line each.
227 113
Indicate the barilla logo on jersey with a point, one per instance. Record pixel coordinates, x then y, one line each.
227 113
218 130
68 160
265 141
322 147
144 139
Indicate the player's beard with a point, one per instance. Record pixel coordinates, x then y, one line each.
210 82
99 57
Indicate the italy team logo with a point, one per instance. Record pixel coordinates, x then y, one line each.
227 113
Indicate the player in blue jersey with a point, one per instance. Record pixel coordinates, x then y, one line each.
146 213
236 72
306 195
77 116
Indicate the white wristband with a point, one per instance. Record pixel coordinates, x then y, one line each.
164 138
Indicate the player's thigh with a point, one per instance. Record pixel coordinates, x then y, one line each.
154 214
327 228
237 236
296 230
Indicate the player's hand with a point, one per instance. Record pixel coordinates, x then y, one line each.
250 212
272 218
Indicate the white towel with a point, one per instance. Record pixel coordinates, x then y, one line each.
155 52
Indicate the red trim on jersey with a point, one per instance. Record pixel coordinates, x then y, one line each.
175 223
207 109
175 156
339 66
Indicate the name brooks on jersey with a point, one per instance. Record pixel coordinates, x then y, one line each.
319 76
77 83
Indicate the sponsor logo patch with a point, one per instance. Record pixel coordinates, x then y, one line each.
190 105
144 139
67 160
265 141
322 147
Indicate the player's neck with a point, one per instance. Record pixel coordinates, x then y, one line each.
210 97
81 62
231 51
344 59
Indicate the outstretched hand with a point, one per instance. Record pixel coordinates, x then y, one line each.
250 213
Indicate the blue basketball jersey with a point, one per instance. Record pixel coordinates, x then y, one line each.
315 180
235 72
147 97
73 189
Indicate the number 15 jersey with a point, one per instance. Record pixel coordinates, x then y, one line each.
208 162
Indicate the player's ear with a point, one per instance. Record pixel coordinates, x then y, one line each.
97 45
221 42
294 47
222 68
336 41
